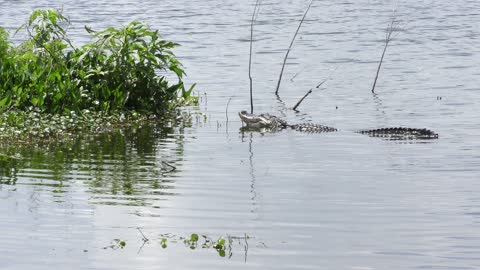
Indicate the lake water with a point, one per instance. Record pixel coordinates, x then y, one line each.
285 200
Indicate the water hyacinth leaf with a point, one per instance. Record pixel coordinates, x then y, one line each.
221 253
194 237
122 244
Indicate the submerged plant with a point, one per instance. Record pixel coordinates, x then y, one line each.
222 246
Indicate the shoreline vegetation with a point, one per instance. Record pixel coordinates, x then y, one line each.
50 89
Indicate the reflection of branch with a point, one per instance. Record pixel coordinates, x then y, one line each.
226 113
252 170
144 238
246 247
290 47
378 103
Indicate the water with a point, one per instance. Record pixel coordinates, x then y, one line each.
311 201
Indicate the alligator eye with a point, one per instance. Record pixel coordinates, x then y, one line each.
243 112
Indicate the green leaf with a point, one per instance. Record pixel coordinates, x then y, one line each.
178 71
194 237
6 101
187 94
34 101
34 16
221 253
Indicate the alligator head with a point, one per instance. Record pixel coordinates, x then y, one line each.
262 120
271 122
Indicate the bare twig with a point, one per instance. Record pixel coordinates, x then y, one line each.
173 168
290 47
254 17
296 74
388 37
144 239
311 89
300 101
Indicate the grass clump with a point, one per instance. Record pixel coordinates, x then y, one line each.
121 70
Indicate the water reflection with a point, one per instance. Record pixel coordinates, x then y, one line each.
252 173
131 166
324 201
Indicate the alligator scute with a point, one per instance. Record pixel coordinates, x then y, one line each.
309 127
401 133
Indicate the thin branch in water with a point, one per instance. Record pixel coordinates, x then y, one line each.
296 74
173 168
311 89
388 37
254 17
300 101
290 47
144 238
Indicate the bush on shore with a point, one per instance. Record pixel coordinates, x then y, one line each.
121 69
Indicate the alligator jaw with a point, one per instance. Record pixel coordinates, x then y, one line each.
252 120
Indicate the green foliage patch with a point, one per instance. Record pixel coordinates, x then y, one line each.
121 69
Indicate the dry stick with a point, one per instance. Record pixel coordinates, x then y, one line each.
144 238
388 36
296 74
255 11
172 168
290 47
311 89
300 101
254 18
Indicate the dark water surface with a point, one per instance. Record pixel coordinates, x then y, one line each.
307 201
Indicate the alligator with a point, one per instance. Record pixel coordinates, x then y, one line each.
273 123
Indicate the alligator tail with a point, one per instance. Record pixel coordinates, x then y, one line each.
314 128
401 133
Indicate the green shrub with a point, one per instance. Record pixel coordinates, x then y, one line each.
121 69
